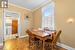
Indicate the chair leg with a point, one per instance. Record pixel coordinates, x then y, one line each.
52 47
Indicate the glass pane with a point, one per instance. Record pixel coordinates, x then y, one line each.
48 16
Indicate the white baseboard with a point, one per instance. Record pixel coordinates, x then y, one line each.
23 36
59 44
12 37
65 46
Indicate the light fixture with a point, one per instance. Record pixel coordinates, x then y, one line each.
4 3
70 20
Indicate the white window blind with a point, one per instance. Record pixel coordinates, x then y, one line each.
48 16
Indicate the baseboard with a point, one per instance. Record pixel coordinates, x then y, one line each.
23 36
65 46
59 44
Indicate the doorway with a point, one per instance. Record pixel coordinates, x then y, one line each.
12 27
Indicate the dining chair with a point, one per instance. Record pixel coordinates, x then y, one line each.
51 44
34 43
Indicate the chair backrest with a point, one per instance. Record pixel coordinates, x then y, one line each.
29 32
57 36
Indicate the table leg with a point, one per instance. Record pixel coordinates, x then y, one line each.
43 45
29 43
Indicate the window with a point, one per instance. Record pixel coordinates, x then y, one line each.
48 16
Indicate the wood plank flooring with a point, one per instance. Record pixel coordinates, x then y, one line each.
20 44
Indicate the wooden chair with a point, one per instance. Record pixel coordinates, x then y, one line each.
33 41
52 43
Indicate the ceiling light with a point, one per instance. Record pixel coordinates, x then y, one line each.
4 4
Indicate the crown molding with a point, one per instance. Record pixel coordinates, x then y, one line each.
19 6
34 9
41 5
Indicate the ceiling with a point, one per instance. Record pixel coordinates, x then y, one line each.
29 4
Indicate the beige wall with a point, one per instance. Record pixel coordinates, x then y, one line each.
37 18
22 12
1 26
64 9
1 13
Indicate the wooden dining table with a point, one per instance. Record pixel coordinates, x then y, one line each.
40 34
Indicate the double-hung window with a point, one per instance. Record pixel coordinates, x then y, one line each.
48 16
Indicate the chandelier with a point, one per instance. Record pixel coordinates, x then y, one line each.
3 3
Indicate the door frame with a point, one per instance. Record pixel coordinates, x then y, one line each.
19 25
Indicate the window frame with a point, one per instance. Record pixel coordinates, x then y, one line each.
52 17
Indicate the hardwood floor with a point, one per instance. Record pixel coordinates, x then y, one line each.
20 44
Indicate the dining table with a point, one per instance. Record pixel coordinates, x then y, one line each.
40 34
